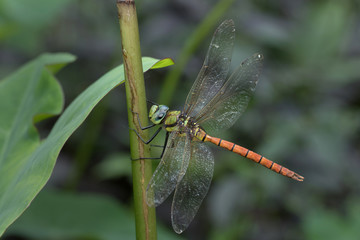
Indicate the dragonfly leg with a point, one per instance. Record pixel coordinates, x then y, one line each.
165 144
142 128
152 137
162 153
154 145
149 158
151 102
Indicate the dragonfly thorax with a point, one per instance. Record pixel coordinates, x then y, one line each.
180 122
174 121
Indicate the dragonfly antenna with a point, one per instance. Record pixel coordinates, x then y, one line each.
153 103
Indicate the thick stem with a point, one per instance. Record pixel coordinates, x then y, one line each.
145 218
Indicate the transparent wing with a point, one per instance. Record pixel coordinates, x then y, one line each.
232 99
192 189
170 170
214 70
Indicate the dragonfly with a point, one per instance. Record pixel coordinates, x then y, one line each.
214 103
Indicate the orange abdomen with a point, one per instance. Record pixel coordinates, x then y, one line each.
253 156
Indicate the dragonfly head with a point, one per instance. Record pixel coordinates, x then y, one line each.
157 113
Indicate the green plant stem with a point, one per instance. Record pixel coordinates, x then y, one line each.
192 43
145 218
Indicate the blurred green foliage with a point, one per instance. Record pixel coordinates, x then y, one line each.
22 22
305 113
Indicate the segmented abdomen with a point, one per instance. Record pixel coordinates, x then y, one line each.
253 156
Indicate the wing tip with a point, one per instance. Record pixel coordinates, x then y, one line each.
179 228
226 24
258 56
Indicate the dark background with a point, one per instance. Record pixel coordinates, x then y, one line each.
305 113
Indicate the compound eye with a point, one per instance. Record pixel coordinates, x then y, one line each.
153 110
158 113
160 116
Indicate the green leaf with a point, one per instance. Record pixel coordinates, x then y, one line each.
25 163
61 215
163 63
27 96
